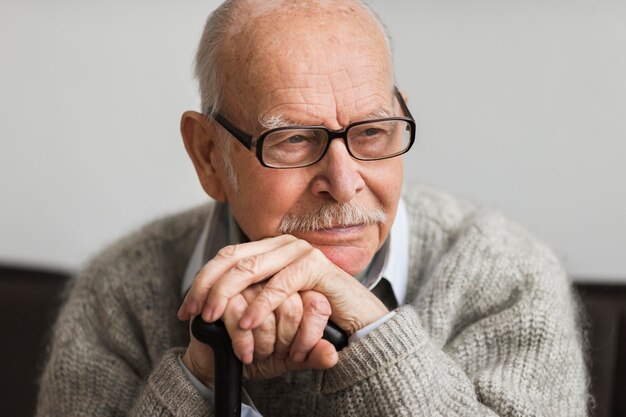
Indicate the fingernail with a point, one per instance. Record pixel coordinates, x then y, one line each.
247 358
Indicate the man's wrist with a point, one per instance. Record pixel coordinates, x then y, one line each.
360 334
203 376
376 310
248 408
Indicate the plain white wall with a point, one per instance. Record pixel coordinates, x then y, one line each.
520 106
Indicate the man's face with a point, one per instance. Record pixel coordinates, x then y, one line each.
330 74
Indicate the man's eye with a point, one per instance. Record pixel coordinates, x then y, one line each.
296 139
293 143
372 131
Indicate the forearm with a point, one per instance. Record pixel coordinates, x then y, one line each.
66 391
481 371
397 370
169 392
101 362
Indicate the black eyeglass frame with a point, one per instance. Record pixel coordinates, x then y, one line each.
250 142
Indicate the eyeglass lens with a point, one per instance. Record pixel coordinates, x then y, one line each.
367 141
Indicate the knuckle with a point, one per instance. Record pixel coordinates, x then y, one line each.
303 244
261 354
283 347
271 293
289 238
200 282
250 293
318 306
304 247
292 315
263 342
283 341
227 252
250 265
263 300
235 307
240 343
291 312
317 253
267 328
262 350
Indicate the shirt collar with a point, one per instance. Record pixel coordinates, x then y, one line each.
391 261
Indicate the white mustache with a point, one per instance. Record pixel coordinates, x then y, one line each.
332 215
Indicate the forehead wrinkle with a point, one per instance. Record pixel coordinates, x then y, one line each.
367 108
353 100
311 111
362 98
279 58
297 106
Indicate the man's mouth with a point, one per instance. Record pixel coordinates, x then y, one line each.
334 235
345 228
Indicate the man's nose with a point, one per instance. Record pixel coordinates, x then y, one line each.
339 175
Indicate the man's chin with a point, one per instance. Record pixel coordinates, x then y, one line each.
351 248
352 260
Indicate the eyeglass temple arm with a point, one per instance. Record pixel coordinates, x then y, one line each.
403 105
244 138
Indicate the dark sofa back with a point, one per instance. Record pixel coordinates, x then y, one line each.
29 301
605 307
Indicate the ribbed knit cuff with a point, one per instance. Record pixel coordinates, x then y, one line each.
396 339
168 387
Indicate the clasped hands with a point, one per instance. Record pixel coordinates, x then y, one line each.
275 297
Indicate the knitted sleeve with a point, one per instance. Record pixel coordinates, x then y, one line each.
115 346
493 333
99 364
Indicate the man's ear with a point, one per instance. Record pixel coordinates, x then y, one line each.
200 137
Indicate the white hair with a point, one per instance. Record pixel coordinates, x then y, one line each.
206 68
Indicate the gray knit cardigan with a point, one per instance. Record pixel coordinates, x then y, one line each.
488 329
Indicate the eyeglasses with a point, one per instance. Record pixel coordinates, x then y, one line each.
302 146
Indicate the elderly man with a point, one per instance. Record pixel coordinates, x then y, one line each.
298 143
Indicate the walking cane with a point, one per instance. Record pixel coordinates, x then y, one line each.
228 369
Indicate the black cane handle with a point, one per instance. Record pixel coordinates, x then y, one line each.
228 369
335 335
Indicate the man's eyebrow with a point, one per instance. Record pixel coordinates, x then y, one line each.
380 113
273 121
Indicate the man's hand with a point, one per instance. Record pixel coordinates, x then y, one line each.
286 265
288 340
275 297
